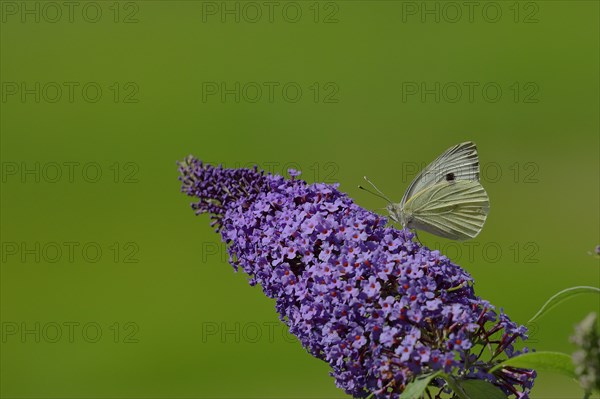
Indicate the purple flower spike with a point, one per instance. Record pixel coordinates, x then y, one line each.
379 308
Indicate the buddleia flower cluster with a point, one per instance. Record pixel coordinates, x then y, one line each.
378 307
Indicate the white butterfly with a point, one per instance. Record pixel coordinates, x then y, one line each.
446 198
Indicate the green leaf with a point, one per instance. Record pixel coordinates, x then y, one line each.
480 389
561 297
453 384
541 361
416 388
473 389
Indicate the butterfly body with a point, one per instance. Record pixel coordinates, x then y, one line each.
398 215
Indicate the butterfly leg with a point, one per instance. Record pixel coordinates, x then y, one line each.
417 237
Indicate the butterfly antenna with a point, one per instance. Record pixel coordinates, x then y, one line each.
371 192
381 195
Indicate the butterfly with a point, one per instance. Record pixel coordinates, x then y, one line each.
446 198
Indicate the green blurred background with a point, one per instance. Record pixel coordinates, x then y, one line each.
112 288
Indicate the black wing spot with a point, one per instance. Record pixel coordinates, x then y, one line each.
450 177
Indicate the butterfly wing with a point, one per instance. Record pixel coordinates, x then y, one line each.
456 210
459 162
